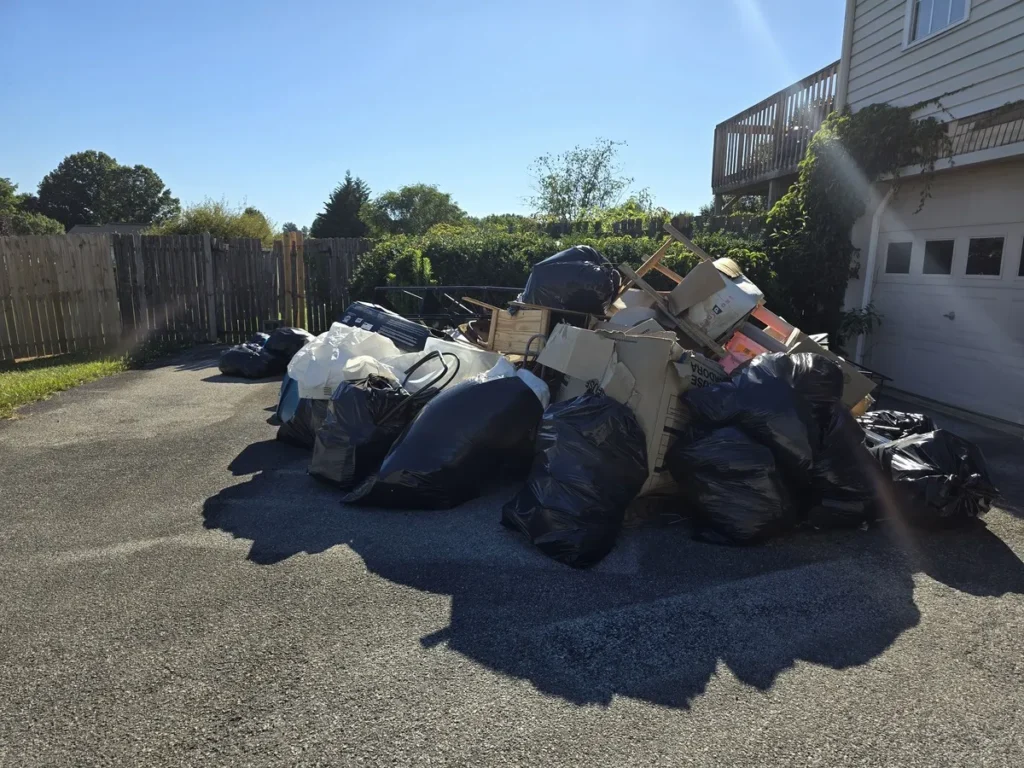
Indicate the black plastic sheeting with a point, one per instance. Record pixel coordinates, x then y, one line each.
283 343
845 480
249 361
459 441
894 425
578 279
816 469
778 401
300 417
736 492
259 339
591 460
941 479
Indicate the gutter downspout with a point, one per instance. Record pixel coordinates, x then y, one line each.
869 267
843 81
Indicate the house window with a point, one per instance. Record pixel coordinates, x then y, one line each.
985 256
938 257
930 16
897 258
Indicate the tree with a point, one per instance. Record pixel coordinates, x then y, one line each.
93 188
220 220
289 226
17 217
573 184
340 217
412 210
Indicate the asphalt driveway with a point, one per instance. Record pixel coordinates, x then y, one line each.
177 591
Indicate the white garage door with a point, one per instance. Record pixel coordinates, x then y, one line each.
952 300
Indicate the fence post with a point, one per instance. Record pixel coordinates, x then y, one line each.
139 289
211 304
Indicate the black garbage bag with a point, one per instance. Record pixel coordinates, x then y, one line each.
941 479
844 480
763 400
732 486
299 417
590 462
458 443
259 339
578 279
894 425
248 361
283 343
365 417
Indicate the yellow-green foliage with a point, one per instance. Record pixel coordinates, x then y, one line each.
221 220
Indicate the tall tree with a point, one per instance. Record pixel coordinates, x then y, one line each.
93 188
340 217
412 210
17 216
572 184
289 226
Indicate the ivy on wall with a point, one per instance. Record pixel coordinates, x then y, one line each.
807 237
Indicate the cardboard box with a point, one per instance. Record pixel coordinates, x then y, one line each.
642 368
855 384
715 303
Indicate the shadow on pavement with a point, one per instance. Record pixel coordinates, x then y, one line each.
653 621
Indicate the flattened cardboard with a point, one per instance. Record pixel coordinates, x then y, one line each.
701 282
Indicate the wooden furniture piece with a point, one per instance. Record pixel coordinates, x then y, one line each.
510 334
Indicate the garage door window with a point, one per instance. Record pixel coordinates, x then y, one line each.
897 258
938 257
985 256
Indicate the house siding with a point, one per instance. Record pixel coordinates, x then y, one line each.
976 66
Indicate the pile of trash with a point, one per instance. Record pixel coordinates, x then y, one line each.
616 395
264 355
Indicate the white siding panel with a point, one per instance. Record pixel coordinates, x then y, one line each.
970 77
981 56
869 10
882 26
920 59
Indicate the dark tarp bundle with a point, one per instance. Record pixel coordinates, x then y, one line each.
578 279
894 425
300 417
283 343
765 400
845 479
737 492
590 462
941 477
455 445
249 361
365 417
790 405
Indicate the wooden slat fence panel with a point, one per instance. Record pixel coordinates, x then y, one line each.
329 265
57 295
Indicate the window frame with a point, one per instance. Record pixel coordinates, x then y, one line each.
910 259
1004 236
952 256
908 18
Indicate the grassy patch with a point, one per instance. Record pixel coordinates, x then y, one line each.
28 382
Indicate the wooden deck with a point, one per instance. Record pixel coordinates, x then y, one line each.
768 140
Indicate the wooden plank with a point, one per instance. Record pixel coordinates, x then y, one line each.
107 291
7 322
694 248
209 291
82 257
689 329
484 304
56 307
253 275
38 255
217 263
67 307
197 294
30 335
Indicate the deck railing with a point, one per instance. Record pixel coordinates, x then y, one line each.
768 140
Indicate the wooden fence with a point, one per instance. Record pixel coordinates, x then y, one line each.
89 292
57 295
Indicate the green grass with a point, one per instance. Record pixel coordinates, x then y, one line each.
27 382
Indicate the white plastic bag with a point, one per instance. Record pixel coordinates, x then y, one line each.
319 366
540 389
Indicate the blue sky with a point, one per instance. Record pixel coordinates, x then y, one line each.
269 102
